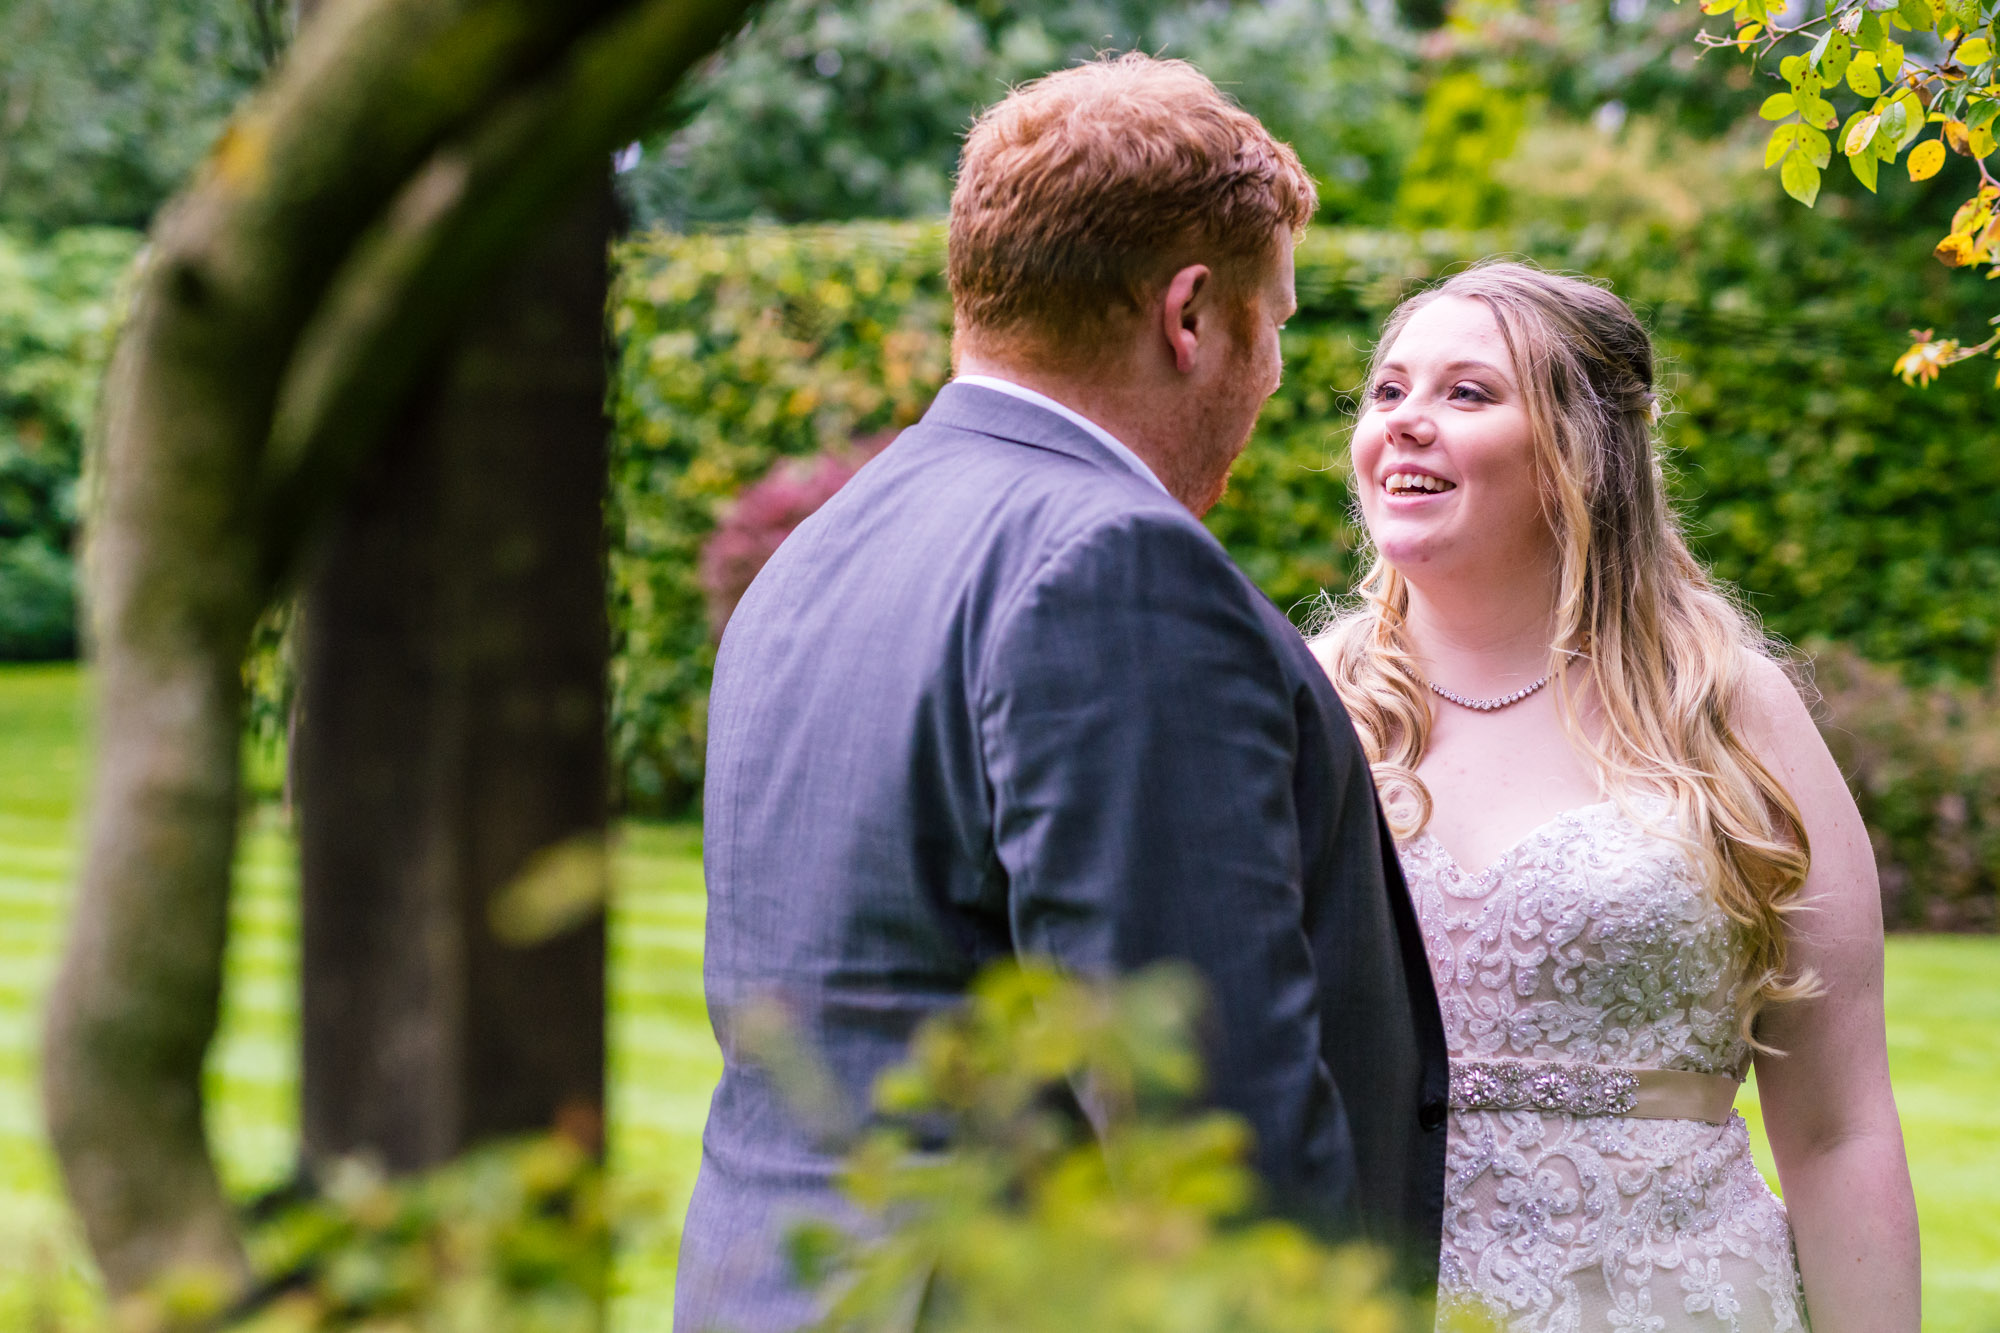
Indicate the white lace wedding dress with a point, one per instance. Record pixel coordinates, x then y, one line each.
1591 943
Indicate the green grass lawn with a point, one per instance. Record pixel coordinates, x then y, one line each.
1943 997
663 1060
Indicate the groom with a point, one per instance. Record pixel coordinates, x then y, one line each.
1003 695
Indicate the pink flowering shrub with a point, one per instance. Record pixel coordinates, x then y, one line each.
764 514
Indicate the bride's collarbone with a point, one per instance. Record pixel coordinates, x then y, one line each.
1494 786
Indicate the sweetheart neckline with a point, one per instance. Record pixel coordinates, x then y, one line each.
1508 851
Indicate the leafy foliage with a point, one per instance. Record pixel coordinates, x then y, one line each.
1924 765
736 351
511 1238
57 305
1033 1222
1468 127
1913 68
105 105
1604 61
854 109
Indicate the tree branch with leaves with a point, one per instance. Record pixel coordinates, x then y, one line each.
1941 98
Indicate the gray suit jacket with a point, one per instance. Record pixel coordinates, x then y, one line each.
1002 696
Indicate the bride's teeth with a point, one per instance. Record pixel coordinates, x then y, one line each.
1413 481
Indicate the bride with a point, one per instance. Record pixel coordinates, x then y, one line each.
1637 868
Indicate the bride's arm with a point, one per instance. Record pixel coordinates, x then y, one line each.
1827 1103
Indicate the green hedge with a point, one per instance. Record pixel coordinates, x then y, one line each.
735 351
1844 504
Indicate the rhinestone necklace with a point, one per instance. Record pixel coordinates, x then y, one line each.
1486 705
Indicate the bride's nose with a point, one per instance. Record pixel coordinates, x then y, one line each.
1408 423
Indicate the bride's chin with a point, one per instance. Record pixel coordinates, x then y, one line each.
1407 553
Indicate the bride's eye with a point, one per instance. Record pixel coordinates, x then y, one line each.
1471 393
1385 393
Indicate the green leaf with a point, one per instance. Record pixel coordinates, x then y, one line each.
1974 53
1983 116
1791 69
1783 139
1918 14
1865 166
1800 178
1871 34
1836 55
1892 59
1895 120
1912 108
1815 145
1777 106
1863 76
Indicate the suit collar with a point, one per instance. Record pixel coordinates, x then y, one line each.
983 411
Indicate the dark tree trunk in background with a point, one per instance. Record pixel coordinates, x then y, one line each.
452 737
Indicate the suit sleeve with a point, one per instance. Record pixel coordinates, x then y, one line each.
1141 740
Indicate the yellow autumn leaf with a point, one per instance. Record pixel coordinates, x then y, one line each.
1921 364
1859 135
1958 136
1926 159
1954 251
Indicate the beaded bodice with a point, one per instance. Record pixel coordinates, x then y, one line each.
1588 940
1592 942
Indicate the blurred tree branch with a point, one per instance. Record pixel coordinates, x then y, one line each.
404 149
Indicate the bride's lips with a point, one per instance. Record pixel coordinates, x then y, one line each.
1409 484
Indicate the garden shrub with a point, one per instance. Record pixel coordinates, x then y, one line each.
514 1236
1924 765
57 305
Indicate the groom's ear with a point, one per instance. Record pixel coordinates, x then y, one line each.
1184 308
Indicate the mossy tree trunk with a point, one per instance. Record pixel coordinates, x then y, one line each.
293 299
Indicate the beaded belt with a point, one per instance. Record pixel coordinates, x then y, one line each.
1578 1089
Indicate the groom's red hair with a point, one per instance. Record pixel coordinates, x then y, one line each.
1084 191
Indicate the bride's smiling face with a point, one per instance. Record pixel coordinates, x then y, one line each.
1443 452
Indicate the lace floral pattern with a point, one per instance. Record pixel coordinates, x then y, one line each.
1590 941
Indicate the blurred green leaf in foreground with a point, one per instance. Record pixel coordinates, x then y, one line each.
996 1207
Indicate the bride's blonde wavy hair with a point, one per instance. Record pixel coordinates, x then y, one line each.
1663 652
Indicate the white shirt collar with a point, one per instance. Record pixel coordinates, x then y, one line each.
1104 437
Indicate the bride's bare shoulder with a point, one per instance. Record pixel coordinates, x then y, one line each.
1775 721
1773 717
